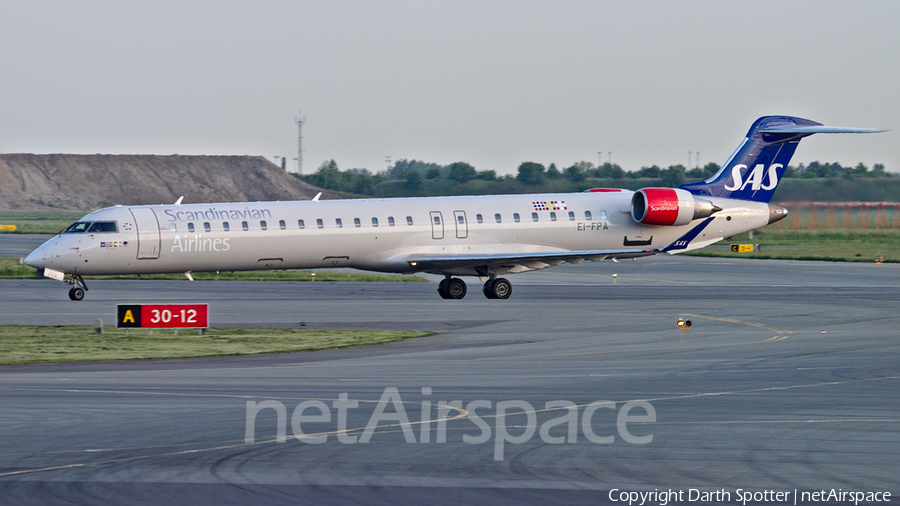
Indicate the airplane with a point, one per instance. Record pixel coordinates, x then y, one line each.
484 236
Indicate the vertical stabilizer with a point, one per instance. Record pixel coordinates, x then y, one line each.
757 165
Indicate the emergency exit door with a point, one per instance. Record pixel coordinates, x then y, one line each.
437 225
462 226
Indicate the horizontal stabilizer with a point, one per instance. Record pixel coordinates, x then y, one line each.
818 129
761 159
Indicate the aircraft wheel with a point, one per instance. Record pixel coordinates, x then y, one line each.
489 289
501 288
442 289
76 293
456 288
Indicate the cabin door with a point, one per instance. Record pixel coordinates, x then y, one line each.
148 232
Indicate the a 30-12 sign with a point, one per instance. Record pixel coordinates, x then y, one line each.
172 316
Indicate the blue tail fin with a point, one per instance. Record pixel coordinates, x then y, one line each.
758 164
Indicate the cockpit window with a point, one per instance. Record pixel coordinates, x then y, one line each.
78 227
103 226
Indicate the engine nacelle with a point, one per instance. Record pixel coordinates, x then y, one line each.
669 207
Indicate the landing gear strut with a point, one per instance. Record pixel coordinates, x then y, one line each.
497 288
452 288
77 291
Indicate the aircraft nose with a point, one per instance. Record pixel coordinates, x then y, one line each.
37 258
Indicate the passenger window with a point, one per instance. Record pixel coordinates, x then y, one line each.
319 223
356 222
587 215
516 217
460 219
571 215
262 225
244 226
552 216
409 220
282 225
603 216
173 228
479 218
190 227
534 217
437 220
206 226
226 226
338 223
300 224
497 218
390 221
374 221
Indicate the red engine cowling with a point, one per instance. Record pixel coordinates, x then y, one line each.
669 207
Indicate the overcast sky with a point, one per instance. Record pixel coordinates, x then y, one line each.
492 83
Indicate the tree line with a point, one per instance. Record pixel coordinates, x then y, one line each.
407 178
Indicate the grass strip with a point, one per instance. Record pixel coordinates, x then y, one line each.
39 222
33 344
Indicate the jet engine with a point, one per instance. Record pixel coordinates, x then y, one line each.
669 207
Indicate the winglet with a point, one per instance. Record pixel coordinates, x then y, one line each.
317 196
178 202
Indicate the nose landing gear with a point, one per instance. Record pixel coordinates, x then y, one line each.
77 291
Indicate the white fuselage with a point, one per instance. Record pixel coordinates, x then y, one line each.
371 234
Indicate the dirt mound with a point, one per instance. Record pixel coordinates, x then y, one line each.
87 182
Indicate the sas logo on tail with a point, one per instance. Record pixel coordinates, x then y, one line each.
754 178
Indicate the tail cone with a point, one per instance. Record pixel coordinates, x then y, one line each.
776 213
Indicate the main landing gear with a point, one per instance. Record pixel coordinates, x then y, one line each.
455 288
452 288
497 288
77 291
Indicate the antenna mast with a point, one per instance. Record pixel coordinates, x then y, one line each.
300 121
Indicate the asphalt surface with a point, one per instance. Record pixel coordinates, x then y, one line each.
787 382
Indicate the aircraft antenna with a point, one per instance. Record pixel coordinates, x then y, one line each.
300 121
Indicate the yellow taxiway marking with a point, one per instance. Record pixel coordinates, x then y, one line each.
740 322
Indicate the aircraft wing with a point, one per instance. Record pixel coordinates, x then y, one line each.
516 262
